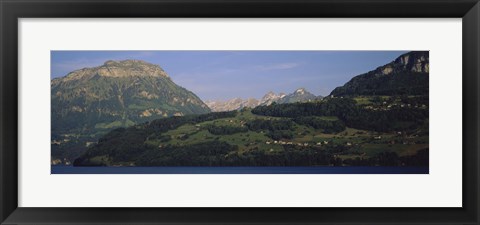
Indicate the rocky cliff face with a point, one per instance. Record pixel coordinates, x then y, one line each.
118 69
413 61
406 75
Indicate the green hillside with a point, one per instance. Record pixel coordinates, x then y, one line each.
371 131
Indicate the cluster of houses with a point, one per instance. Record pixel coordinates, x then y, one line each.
291 143
89 143
60 162
59 142
66 138
386 107
300 144
242 123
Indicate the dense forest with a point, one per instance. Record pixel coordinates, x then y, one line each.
353 115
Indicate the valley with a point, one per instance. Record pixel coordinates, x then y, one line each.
248 138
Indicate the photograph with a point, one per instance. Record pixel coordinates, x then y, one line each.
317 112
239 112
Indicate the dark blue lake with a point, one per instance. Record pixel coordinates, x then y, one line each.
240 170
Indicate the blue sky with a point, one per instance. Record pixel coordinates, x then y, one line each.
221 75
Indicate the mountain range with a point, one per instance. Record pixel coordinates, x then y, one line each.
299 95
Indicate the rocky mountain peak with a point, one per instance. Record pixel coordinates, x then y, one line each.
300 91
117 94
269 98
299 95
270 95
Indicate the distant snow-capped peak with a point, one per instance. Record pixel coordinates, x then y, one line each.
299 95
300 91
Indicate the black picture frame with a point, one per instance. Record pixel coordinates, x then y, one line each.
12 10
